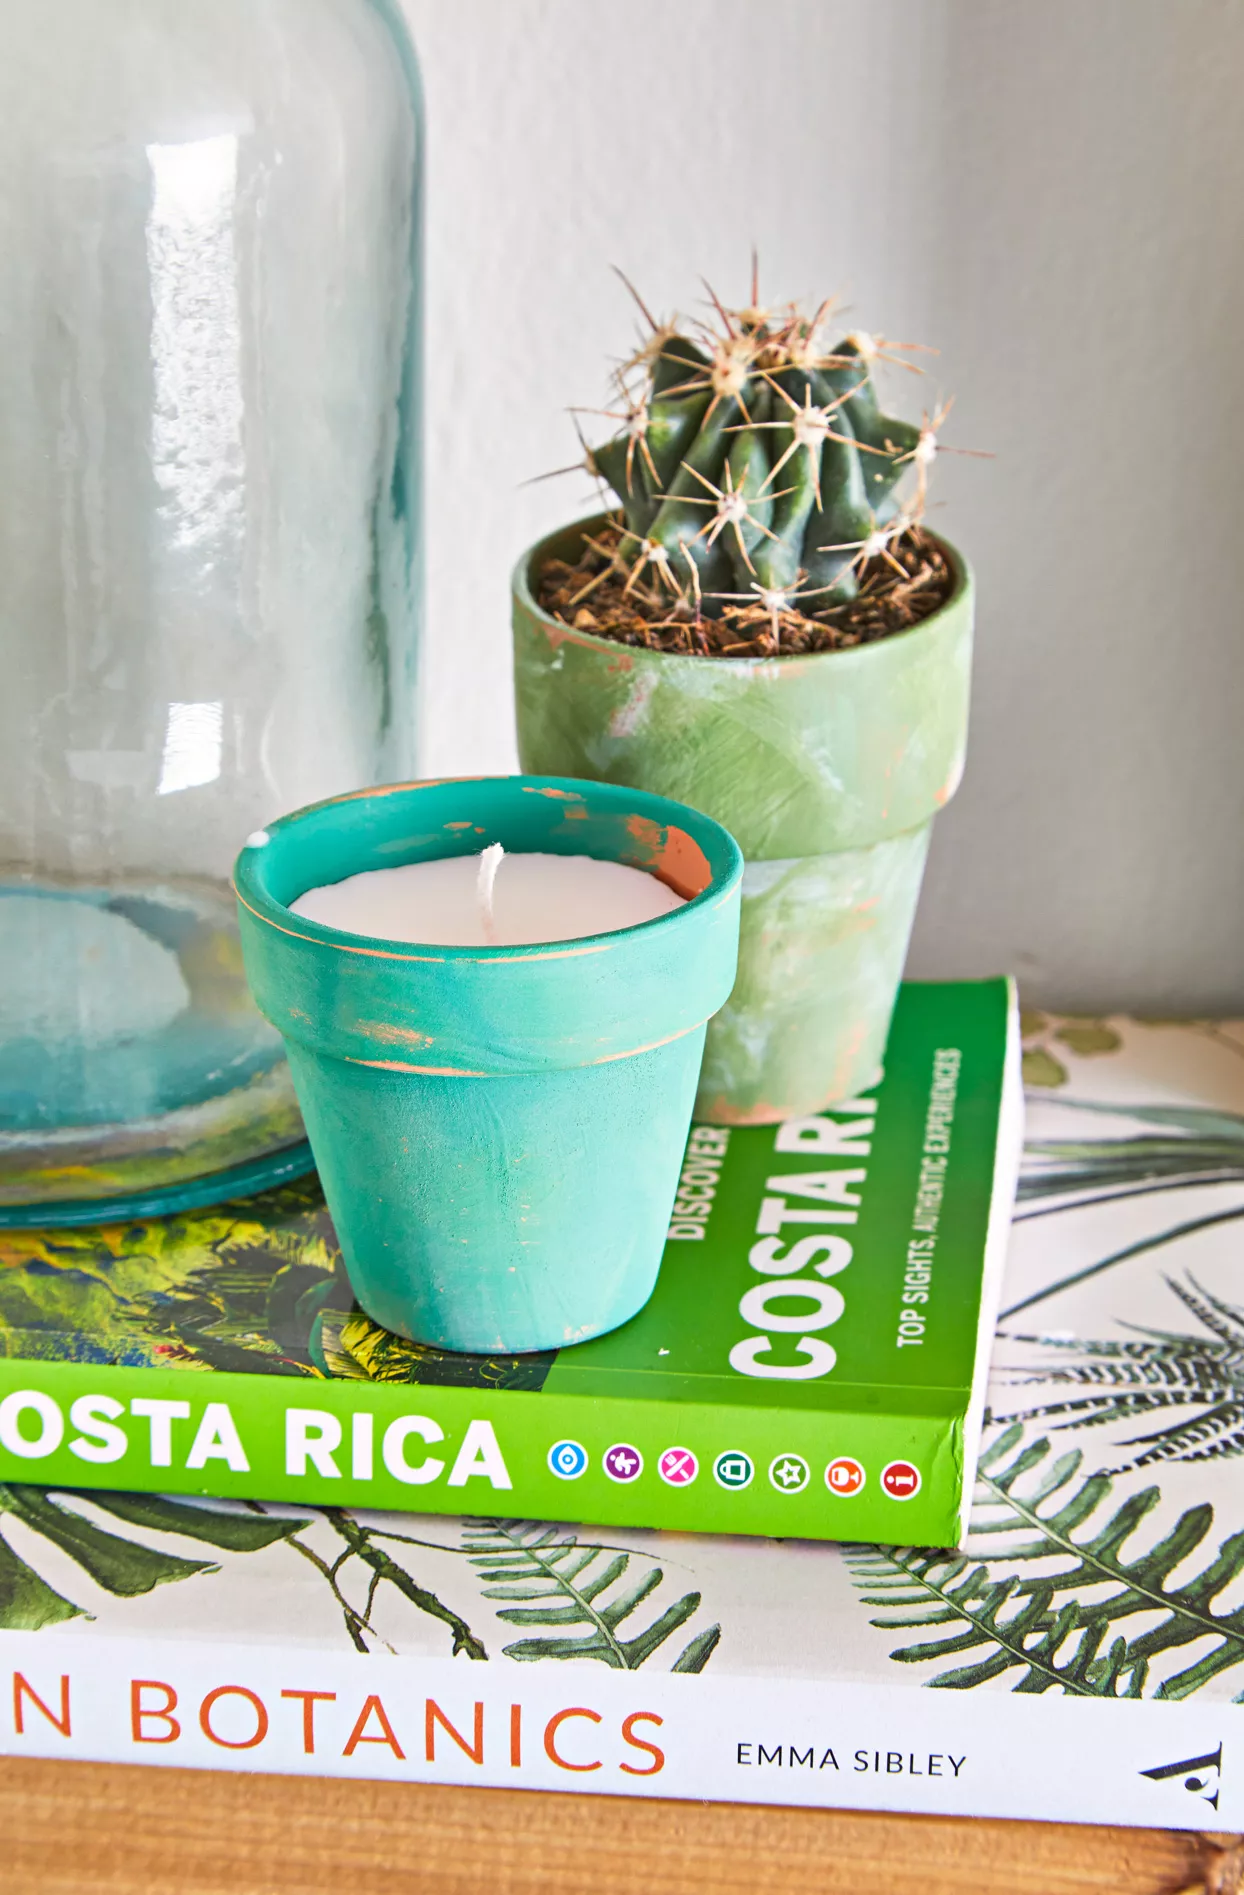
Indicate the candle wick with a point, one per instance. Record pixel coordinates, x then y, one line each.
489 863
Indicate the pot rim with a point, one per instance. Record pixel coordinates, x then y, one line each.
962 589
721 851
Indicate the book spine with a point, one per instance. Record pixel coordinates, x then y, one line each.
812 1743
686 1466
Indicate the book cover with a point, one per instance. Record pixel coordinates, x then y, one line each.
1082 1658
812 1362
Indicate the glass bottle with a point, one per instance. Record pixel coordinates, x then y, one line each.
209 549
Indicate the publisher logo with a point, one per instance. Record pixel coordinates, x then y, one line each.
678 1467
901 1480
844 1476
624 1463
733 1470
1202 1776
567 1459
789 1473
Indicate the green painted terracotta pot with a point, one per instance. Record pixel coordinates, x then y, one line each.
827 769
499 1131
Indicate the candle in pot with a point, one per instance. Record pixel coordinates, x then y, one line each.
495 899
498 1119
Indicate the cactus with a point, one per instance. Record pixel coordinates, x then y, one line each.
754 466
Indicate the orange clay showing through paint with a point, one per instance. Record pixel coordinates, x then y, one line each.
671 855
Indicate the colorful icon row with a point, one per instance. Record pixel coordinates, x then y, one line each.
733 1470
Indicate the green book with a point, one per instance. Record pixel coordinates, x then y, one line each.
812 1363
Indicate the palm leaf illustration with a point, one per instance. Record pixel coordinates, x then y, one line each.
1067 1630
125 1568
1131 1381
549 1579
544 1575
1191 1145
1198 1147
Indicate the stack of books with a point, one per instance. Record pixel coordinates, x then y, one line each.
811 1368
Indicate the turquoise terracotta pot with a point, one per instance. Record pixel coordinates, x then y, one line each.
499 1131
827 768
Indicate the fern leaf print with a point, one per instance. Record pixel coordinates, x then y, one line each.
1000 1607
584 1598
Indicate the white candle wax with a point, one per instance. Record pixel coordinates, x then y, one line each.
534 898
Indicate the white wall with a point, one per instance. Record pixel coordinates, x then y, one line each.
1054 195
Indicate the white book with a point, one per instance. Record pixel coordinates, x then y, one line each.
1082 1658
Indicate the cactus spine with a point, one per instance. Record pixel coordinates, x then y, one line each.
754 465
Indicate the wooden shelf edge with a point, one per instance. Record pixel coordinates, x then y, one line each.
120 1829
